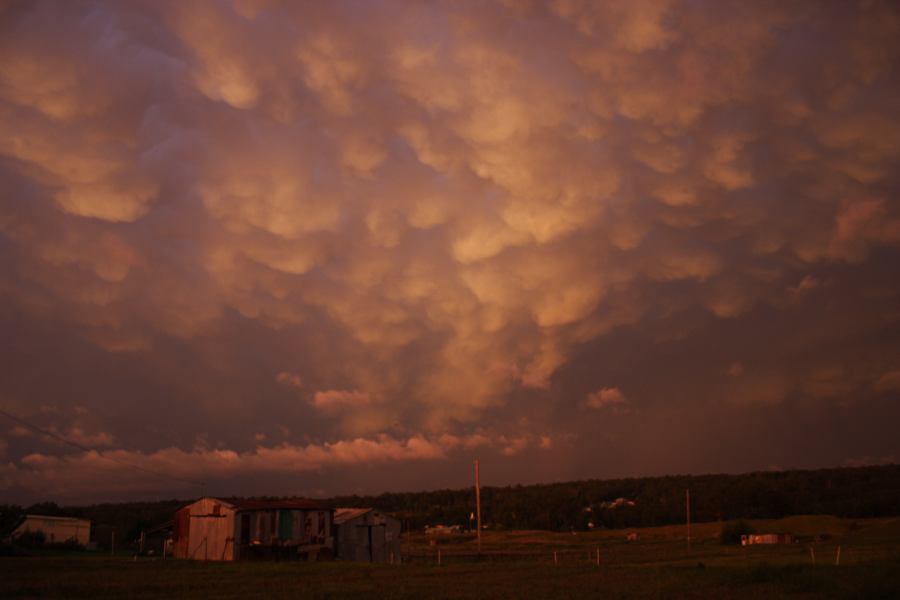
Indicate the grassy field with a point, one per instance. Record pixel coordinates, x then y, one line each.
512 565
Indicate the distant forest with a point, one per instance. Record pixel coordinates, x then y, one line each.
848 492
577 505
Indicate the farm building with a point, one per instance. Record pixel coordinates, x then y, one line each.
237 529
767 538
56 530
366 535
442 529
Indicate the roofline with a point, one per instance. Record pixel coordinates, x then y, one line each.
56 518
238 504
354 513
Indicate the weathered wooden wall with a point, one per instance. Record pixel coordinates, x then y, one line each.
211 530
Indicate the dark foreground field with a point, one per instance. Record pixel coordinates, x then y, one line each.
513 565
107 578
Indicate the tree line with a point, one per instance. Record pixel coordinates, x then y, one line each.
577 505
650 501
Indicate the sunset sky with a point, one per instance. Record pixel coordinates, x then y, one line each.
335 247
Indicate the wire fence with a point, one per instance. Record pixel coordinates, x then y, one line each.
599 556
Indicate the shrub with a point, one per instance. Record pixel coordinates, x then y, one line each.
731 532
30 539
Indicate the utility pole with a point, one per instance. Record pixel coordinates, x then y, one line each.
478 505
688 509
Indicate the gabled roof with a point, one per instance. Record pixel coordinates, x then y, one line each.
160 528
342 515
55 518
11 528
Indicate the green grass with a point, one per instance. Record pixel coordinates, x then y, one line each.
514 565
112 578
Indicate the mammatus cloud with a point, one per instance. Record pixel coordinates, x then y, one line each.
607 398
610 401
99 439
889 382
340 399
414 220
289 379
75 433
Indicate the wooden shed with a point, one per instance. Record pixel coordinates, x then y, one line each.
237 529
366 535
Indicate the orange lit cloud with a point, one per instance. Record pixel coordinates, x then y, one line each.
75 475
607 398
360 219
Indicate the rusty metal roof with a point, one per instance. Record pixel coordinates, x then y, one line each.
342 515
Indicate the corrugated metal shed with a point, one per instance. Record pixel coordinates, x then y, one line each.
342 515
366 535
238 528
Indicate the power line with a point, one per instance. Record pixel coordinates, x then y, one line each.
83 448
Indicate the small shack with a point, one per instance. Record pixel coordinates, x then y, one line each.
56 530
367 535
239 529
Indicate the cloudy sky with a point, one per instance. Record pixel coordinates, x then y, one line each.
328 247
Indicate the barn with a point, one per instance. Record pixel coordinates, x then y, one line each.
56 530
240 529
366 535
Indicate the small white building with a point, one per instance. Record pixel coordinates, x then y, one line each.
56 530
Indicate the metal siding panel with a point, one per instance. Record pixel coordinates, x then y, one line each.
182 532
285 524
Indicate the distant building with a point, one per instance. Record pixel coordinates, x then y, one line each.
56 530
442 529
617 503
366 535
238 529
767 538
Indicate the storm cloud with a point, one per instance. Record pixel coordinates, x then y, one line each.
265 243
